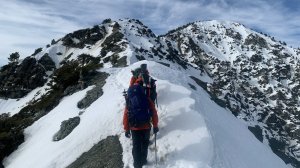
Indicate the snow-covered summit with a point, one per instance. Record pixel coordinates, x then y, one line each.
226 40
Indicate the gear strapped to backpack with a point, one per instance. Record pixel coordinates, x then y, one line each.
139 112
148 81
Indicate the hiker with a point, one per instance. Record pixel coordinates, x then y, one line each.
139 113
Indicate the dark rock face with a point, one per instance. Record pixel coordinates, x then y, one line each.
113 43
9 138
256 40
110 45
37 51
80 38
95 93
233 34
74 73
257 131
199 82
122 62
106 154
192 86
16 80
66 128
256 58
47 63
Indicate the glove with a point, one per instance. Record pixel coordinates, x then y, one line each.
127 134
155 130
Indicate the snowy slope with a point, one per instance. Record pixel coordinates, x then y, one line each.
194 131
13 106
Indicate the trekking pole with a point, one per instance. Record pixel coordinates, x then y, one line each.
155 149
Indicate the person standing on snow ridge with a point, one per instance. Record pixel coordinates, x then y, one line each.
140 131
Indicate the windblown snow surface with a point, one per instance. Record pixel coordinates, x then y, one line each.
194 131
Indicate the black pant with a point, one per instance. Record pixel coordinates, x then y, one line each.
140 139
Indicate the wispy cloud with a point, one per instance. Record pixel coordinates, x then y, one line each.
27 25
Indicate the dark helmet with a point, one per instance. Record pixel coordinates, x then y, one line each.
144 68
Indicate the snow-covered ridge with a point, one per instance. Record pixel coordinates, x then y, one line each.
195 132
250 74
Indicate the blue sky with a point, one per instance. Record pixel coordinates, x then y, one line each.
29 24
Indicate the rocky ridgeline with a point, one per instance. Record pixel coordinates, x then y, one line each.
81 38
258 80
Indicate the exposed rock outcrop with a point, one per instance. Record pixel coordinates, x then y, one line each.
16 80
66 128
106 154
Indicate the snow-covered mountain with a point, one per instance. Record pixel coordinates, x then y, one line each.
227 97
